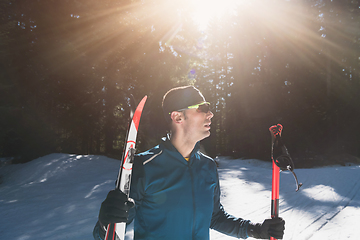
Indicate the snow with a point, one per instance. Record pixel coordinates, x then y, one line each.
58 197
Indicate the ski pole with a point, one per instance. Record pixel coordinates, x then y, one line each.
276 131
281 161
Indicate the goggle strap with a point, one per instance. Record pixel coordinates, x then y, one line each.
197 105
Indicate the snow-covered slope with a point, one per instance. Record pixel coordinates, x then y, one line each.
58 197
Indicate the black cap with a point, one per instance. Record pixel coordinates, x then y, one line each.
180 98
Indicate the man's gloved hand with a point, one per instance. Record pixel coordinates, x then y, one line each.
115 208
269 228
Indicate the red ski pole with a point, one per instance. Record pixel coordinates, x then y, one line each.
275 133
281 160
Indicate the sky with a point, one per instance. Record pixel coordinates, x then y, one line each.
58 197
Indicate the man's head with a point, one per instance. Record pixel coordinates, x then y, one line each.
187 114
181 98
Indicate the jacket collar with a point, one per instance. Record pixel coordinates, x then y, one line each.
166 143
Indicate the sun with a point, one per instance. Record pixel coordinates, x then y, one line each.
206 10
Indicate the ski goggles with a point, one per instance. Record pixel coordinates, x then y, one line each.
201 107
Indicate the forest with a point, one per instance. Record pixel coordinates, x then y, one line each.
69 67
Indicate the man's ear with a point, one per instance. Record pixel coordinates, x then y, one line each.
177 117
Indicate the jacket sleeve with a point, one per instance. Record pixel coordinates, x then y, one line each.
224 222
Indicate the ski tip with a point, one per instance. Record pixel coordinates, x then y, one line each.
138 112
142 102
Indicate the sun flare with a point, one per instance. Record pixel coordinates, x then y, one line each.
206 10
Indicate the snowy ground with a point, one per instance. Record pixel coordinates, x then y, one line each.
58 197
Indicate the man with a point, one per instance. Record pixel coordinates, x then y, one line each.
175 187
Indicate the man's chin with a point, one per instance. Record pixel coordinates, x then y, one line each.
206 134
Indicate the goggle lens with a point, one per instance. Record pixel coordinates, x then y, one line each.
201 107
205 108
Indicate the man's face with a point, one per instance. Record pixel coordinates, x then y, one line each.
197 124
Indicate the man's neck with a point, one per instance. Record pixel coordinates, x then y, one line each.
183 145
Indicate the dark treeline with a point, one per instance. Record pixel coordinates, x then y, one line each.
68 68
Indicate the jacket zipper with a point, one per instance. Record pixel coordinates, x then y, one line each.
193 199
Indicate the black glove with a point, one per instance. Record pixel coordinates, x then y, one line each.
115 208
269 228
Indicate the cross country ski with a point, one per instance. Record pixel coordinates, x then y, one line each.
116 231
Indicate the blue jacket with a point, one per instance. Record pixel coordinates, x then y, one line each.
178 199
